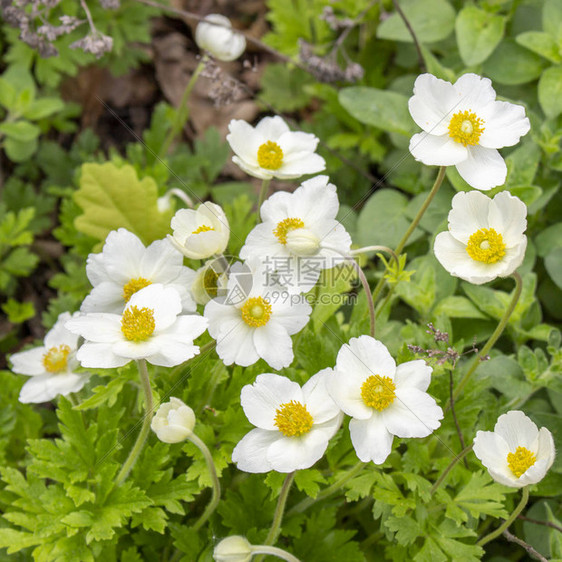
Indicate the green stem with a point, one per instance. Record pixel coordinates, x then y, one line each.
182 113
493 338
145 429
414 224
370 301
215 479
386 299
279 511
263 192
508 521
385 249
459 457
307 502
273 550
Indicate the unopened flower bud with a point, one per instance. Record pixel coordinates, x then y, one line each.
208 283
302 242
173 422
220 40
233 549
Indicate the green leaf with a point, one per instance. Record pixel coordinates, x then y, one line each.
549 239
541 43
42 108
478 34
550 91
19 151
458 307
383 109
431 20
113 197
18 312
406 529
553 264
512 64
22 131
308 481
151 518
17 540
552 18
106 393
284 87
480 496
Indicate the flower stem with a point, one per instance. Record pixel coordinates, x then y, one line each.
370 301
385 249
459 457
493 338
141 439
273 550
307 502
279 511
263 192
508 521
215 479
182 113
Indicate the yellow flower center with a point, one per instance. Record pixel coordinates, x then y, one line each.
133 286
285 226
56 358
378 392
293 419
270 156
256 312
486 245
520 461
203 228
466 128
137 324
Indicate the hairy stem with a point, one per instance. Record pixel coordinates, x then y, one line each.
145 429
263 192
370 301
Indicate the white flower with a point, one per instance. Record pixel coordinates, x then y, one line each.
259 323
174 421
149 328
271 150
463 126
233 549
50 366
516 453
202 233
299 235
210 281
384 400
293 424
220 40
485 239
125 266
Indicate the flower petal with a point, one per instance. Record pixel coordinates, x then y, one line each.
244 141
517 429
473 93
271 128
435 150
371 440
483 169
319 403
29 362
46 387
505 124
99 355
413 374
469 213
250 452
274 345
507 215
297 453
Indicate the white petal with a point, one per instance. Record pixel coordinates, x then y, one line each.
172 353
483 169
297 453
165 303
297 167
161 263
46 387
366 356
318 400
105 297
293 317
473 92
345 390
412 414
505 124
97 327
371 440
534 473
95 269
469 213
261 400
491 449
545 449
432 100
517 429
274 345
99 355
413 374
237 346
315 200
507 215
29 362
250 453
278 207
122 255
434 150
296 145
271 128
244 141
59 334
253 170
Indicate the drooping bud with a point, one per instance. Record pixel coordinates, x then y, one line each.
233 549
173 422
220 40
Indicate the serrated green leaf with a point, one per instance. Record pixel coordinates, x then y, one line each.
480 496
308 481
406 530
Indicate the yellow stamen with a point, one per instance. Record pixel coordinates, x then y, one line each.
56 359
203 228
285 226
378 392
293 419
466 128
256 312
520 461
137 324
486 245
133 286
270 156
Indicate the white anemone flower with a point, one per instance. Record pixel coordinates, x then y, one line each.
173 422
516 453
200 233
51 366
293 424
299 235
256 322
150 328
219 39
383 399
272 150
125 266
464 126
485 239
